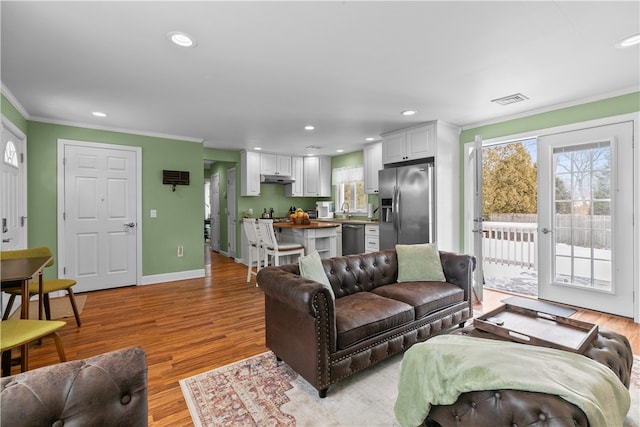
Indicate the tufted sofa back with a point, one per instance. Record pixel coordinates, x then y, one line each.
363 272
350 274
106 390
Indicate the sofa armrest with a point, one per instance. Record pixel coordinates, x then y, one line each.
108 389
287 286
458 269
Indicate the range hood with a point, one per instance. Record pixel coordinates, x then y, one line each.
276 179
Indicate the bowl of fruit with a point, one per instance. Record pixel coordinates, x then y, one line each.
300 217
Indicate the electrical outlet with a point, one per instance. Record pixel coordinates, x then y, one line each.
250 211
180 251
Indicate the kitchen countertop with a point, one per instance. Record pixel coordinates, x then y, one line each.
348 221
313 224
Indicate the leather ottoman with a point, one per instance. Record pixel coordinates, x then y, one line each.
494 408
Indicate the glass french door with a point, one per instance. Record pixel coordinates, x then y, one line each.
585 200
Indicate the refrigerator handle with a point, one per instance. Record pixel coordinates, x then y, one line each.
395 208
398 217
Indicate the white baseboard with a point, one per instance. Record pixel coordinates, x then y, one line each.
172 277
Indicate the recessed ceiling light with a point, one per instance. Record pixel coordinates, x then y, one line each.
370 139
408 112
629 41
309 127
99 114
181 39
340 150
257 148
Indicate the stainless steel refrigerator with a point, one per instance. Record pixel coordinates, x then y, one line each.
407 204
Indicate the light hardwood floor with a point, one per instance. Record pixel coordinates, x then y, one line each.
192 326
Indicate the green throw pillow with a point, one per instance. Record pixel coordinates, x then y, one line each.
311 268
419 263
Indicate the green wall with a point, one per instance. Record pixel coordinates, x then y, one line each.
179 220
180 213
609 107
590 111
10 112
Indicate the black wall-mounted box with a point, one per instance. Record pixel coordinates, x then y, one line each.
175 178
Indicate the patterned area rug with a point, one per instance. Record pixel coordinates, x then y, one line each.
258 391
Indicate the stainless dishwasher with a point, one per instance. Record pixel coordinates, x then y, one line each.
352 239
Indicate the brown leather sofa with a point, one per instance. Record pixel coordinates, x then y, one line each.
106 390
326 339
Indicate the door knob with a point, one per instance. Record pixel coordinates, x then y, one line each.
546 231
130 225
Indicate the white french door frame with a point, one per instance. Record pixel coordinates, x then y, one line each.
631 117
61 261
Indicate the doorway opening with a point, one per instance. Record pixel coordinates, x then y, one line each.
510 217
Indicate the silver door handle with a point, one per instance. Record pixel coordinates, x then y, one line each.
546 231
130 225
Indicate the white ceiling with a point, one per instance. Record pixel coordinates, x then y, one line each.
261 71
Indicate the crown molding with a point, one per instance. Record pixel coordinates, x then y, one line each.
14 101
120 130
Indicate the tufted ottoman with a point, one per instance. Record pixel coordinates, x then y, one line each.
521 408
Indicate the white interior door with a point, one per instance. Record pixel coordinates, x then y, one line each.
13 200
215 212
231 212
100 215
586 252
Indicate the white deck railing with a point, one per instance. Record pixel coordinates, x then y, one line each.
510 243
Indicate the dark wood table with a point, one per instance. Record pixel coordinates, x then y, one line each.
23 270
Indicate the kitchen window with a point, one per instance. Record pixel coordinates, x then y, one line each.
350 191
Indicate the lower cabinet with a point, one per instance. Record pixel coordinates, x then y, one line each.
371 238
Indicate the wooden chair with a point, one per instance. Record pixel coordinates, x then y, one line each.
271 246
20 332
255 242
48 286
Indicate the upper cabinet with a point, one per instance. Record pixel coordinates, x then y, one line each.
317 176
275 164
372 164
409 144
250 170
441 141
296 189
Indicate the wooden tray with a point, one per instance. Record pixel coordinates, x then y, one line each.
537 328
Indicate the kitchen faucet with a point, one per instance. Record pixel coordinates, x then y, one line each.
345 209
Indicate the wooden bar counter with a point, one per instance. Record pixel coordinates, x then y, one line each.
318 236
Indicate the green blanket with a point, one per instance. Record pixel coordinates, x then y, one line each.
437 371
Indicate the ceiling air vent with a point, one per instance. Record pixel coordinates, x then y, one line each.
511 99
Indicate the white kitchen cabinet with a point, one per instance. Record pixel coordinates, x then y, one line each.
275 164
372 164
296 189
371 238
317 176
250 173
414 143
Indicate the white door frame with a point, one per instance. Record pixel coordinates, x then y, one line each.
61 262
214 212
232 217
635 118
7 125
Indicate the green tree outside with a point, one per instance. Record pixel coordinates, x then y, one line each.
509 180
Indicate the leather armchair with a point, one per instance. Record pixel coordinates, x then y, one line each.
106 390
